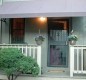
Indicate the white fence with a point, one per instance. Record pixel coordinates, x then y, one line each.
28 50
77 60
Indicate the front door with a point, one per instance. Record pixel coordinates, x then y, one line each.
57 42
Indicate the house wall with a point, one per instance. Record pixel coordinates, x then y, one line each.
32 26
79 28
4 31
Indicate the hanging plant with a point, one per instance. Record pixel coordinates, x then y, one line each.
72 38
39 40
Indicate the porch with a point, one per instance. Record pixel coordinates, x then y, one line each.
63 8
77 67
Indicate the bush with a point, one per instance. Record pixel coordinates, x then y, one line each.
12 61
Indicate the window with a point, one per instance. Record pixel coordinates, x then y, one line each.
17 30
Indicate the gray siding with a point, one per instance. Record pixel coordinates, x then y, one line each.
32 27
79 27
5 31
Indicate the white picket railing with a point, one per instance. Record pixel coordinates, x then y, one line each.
28 50
77 59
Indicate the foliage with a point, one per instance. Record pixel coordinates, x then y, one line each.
72 37
39 38
13 62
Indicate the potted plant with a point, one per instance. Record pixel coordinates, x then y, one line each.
72 39
39 40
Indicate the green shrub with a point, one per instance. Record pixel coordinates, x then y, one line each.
12 61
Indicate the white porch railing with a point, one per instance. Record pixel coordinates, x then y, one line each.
28 50
77 59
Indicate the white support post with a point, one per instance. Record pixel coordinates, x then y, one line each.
71 51
39 58
29 51
26 51
34 52
77 60
22 49
82 59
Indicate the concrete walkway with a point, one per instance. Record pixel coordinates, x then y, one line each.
46 78
3 77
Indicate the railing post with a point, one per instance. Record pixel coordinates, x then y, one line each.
77 60
82 57
39 58
71 51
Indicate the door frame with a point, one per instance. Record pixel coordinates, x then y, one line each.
67 23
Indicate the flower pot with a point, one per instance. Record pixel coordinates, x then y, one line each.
39 42
72 42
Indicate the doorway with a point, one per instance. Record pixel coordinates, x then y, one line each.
58 30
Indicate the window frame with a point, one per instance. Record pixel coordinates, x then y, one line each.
11 31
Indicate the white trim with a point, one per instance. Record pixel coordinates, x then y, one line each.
77 60
82 59
79 52
79 71
71 60
39 58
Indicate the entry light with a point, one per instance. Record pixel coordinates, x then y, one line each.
42 19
